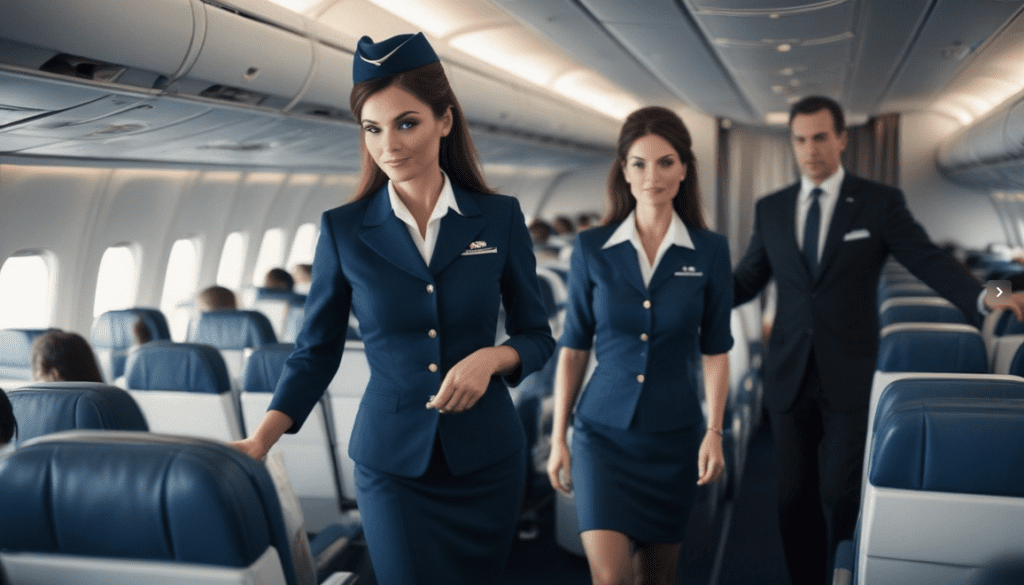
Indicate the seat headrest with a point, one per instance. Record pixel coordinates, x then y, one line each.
49 407
958 445
1008 325
113 329
921 314
920 390
276 294
187 367
16 352
947 348
234 329
140 496
263 368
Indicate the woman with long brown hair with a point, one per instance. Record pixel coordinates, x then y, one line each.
423 256
650 290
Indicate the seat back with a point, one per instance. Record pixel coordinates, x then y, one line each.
555 294
233 332
911 289
121 507
919 310
936 347
346 390
49 407
308 454
942 468
16 356
112 336
183 388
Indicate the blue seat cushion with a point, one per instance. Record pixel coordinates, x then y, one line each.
263 368
50 407
234 329
186 367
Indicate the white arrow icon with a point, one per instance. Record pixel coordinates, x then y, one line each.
1000 293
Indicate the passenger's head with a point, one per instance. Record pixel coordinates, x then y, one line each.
654 160
302 273
141 332
563 226
279 279
8 426
62 356
411 121
216 298
540 231
818 131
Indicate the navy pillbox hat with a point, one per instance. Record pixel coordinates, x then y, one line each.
390 57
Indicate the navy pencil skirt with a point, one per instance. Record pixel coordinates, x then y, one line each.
639 484
440 528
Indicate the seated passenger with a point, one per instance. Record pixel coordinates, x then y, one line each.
141 333
59 356
8 425
216 298
540 233
303 275
279 279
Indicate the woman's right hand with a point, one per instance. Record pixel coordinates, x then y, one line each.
251 447
560 466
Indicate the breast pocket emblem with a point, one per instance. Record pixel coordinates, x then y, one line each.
479 247
688 271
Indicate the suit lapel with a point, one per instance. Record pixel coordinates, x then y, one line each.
623 255
842 218
670 262
457 231
389 236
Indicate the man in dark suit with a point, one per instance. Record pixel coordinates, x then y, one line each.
825 240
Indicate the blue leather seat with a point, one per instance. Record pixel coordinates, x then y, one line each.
916 347
49 407
919 310
121 507
945 462
233 333
112 336
309 454
184 388
16 352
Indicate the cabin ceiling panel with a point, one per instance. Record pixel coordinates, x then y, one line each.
586 40
953 32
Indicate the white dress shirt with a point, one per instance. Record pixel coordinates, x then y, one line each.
676 234
425 244
827 201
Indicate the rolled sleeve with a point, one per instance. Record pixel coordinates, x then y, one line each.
715 331
578 332
526 320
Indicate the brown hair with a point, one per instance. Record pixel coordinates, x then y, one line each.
666 124
68 353
216 298
458 157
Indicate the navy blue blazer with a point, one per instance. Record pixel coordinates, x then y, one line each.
648 340
366 260
835 311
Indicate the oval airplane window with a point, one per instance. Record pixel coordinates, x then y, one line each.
118 279
271 255
304 245
26 290
178 299
232 260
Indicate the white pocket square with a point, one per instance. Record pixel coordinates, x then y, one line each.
856 235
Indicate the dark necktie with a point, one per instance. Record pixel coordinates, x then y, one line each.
811 230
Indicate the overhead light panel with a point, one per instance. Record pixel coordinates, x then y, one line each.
776 118
299 6
591 89
515 51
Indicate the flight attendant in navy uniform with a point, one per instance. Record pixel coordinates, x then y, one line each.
649 290
423 256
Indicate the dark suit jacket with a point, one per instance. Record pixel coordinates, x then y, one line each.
648 339
366 260
835 312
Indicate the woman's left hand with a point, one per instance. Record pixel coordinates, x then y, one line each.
467 381
710 461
